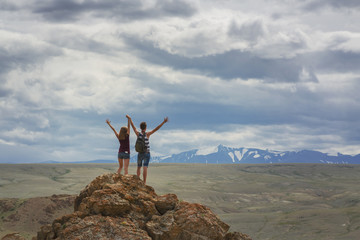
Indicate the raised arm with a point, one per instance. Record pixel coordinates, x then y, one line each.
158 127
108 122
132 125
128 127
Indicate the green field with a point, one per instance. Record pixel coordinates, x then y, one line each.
279 201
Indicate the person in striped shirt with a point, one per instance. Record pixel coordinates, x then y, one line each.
144 158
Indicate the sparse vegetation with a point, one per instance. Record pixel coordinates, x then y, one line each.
282 201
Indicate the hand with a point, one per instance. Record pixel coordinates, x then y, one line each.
107 121
128 116
166 119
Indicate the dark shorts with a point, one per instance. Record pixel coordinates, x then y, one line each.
143 158
123 155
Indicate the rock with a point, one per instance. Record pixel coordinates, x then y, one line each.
100 227
7 205
114 206
46 232
105 202
166 202
13 236
50 209
236 236
189 221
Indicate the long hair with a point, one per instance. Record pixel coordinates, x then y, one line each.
123 133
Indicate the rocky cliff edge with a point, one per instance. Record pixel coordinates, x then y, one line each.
115 206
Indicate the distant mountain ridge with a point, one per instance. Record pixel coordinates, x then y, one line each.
228 155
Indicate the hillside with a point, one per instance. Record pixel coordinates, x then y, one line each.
266 201
114 206
28 215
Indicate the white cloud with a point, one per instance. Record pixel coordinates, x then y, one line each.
26 135
270 71
274 137
4 142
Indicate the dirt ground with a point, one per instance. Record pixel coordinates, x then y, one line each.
280 201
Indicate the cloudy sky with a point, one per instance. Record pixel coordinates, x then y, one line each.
269 74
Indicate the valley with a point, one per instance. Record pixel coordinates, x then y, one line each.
266 201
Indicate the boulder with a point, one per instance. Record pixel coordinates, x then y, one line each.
114 206
188 221
166 202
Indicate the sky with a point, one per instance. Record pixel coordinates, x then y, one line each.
268 74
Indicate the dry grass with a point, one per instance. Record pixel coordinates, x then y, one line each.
280 201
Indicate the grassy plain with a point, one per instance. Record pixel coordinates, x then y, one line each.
279 201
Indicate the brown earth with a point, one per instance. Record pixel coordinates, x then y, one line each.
278 201
114 206
29 215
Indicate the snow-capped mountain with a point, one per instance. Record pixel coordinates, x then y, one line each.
223 154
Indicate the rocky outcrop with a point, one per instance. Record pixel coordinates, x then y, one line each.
114 206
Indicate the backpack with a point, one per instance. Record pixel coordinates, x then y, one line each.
140 145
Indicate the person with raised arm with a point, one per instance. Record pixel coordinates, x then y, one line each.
124 150
144 155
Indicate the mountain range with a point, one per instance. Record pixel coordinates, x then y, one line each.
227 155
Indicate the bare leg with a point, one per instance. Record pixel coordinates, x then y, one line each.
126 166
138 171
120 165
145 174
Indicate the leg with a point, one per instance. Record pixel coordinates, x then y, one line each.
126 166
145 174
146 165
139 164
138 171
120 165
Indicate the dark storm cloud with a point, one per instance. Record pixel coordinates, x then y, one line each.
228 65
216 114
24 57
333 61
5 65
70 10
319 4
7 6
4 92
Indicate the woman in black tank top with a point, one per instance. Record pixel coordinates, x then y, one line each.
124 150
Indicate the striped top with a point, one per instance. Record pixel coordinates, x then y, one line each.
147 143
